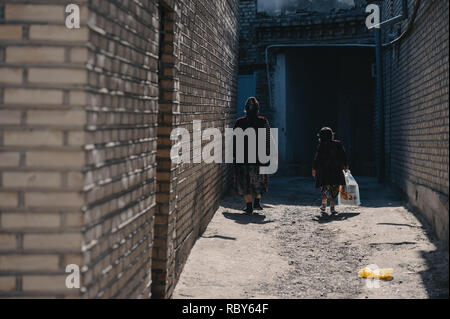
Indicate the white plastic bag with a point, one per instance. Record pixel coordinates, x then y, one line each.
350 193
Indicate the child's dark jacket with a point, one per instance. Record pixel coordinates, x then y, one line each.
329 162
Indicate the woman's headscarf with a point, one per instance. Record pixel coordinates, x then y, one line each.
325 134
252 108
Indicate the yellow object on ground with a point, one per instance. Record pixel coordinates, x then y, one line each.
368 272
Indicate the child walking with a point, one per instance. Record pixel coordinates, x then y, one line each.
328 165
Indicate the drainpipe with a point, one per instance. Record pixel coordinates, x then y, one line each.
410 22
380 100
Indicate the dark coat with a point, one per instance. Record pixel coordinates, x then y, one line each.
257 123
329 161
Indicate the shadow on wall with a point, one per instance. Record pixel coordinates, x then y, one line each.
435 276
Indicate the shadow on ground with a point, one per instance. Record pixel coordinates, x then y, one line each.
244 219
325 218
300 191
435 277
220 237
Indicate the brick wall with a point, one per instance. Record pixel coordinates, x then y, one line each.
416 110
43 76
205 55
85 120
248 47
121 157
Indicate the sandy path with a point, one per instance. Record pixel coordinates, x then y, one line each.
295 252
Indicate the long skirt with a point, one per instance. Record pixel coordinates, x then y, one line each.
331 192
249 180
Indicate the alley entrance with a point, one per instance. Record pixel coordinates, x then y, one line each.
325 86
295 252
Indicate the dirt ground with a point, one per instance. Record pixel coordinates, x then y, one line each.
294 251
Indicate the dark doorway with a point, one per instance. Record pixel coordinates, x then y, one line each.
330 86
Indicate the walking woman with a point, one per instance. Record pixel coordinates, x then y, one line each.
328 165
248 182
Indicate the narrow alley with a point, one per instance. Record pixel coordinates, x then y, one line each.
116 167
296 252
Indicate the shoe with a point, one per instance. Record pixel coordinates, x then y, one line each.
257 205
323 207
333 211
249 209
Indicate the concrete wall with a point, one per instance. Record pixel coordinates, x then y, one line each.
85 119
416 110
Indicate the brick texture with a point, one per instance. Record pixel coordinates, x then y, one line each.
416 106
85 121
188 195
122 120
36 158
